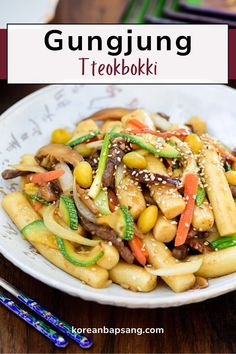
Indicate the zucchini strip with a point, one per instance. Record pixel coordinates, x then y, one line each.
57 229
81 259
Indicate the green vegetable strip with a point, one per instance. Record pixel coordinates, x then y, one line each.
97 182
129 223
83 138
224 242
142 143
227 167
81 260
101 202
38 199
201 194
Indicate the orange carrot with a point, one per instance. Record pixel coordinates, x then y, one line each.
134 147
167 134
136 123
43 177
139 252
37 206
190 191
225 153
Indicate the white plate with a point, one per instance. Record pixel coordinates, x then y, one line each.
27 126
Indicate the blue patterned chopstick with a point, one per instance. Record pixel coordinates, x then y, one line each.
83 341
42 327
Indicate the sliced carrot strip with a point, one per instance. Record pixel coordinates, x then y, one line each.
136 123
137 248
37 206
225 153
167 134
39 178
190 191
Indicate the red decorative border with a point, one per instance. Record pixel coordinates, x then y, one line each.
232 54
3 54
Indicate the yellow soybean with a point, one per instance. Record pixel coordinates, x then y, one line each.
194 143
135 160
60 136
84 174
148 218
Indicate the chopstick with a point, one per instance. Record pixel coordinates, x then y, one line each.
63 326
42 327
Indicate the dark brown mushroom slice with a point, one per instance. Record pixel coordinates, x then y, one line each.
93 160
48 155
87 200
115 155
9 173
108 234
191 128
200 245
180 252
50 191
145 176
163 115
233 191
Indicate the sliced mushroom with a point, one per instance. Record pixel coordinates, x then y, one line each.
110 113
49 155
86 200
115 155
9 174
50 191
145 176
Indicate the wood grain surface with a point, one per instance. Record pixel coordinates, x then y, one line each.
207 327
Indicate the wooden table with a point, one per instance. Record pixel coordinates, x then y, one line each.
207 327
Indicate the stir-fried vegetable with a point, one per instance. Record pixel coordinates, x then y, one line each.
38 199
177 269
164 151
137 247
121 221
225 153
82 259
81 139
44 177
84 174
82 209
201 194
65 233
167 134
97 182
66 180
224 242
190 191
68 211
101 202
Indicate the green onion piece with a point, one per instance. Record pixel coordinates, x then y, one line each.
38 199
201 194
82 138
227 167
224 242
97 182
